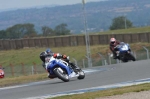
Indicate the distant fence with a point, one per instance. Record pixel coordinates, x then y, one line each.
72 40
21 69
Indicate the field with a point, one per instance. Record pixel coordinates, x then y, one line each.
127 31
28 56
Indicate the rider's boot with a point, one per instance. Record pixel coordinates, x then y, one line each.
43 64
51 76
114 56
75 68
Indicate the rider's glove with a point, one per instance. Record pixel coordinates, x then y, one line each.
68 57
64 56
116 48
57 55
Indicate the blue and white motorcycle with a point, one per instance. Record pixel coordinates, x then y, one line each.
62 70
124 52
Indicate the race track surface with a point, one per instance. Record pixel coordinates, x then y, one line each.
96 76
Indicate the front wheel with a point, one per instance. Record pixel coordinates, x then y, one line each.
81 74
61 74
132 57
122 58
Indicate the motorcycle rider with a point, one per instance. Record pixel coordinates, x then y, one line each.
112 46
44 54
66 58
49 53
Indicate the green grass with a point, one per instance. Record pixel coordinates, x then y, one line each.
22 79
133 30
30 55
127 31
109 92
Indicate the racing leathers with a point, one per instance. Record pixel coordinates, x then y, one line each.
113 48
44 55
66 58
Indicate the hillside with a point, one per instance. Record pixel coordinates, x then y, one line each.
99 15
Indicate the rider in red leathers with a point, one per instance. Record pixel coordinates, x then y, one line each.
113 44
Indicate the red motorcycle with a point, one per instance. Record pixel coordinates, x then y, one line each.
1 73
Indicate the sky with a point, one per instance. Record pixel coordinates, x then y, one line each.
11 4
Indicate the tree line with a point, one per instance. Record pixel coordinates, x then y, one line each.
27 30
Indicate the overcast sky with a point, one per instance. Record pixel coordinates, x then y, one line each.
8 4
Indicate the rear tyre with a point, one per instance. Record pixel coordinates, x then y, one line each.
61 74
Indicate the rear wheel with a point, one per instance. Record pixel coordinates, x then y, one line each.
61 74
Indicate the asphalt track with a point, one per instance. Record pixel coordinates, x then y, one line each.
96 76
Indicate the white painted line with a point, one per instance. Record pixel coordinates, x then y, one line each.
11 87
34 83
80 91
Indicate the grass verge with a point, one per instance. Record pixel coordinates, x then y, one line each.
109 92
22 79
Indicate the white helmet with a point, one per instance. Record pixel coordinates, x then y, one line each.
112 40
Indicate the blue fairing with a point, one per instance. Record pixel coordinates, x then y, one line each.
123 48
53 64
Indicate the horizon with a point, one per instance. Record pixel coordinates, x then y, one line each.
6 5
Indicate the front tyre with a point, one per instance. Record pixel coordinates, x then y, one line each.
81 75
61 74
132 57
122 58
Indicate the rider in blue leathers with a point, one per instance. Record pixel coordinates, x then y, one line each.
49 53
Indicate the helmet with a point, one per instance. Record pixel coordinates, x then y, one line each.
48 50
113 41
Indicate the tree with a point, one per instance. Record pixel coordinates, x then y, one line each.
14 31
46 31
28 30
62 30
120 23
3 34
21 30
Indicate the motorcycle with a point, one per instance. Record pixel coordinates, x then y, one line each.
62 70
1 73
124 53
